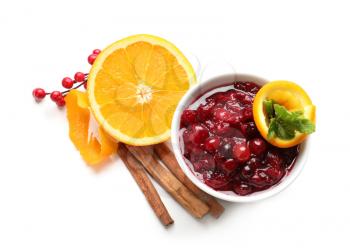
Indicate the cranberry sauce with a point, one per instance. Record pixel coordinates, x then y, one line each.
223 147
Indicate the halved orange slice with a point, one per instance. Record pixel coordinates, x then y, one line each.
134 86
293 98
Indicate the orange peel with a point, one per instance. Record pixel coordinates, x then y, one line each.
293 98
94 149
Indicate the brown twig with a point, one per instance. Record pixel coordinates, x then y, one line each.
168 158
145 184
168 181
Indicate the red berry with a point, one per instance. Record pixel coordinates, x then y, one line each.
92 58
79 77
260 179
250 167
39 94
55 95
249 129
242 188
67 82
199 133
229 166
61 102
188 117
225 150
223 115
241 152
212 144
274 173
96 51
257 146
216 180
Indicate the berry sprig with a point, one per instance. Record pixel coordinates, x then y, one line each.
80 79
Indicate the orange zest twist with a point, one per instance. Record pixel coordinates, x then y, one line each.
94 148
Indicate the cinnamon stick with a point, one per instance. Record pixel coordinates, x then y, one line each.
145 154
145 184
168 158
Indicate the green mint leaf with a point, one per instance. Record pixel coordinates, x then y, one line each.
272 128
282 112
285 131
285 124
268 106
297 113
305 126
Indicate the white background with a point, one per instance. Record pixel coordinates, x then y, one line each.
50 198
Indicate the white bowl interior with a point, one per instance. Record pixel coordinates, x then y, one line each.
188 99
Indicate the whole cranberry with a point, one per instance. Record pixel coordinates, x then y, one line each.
188 117
250 167
225 150
61 102
229 116
79 76
222 129
39 94
221 114
249 129
260 179
91 59
275 173
198 133
229 166
242 188
216 180
56 96
212 144
96 51
257 146
241 152
67 82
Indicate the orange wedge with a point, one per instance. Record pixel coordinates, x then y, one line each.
93 149
289 95
134 87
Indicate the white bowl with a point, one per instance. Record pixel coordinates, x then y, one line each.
188 99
